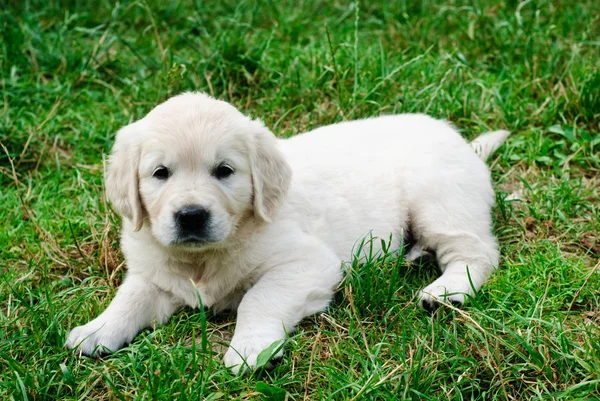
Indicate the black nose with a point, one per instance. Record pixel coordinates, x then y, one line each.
192 220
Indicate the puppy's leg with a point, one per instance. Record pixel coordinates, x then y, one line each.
278 301
136 305
466 262
466 250
416 252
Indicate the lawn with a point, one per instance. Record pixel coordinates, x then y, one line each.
73 72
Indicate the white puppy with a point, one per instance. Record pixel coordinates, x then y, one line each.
214 201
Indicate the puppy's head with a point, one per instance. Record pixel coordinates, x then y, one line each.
193 170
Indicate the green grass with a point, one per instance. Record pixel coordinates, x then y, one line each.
72 75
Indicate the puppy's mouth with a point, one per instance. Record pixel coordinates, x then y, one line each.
192 241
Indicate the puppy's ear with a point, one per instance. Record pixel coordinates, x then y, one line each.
271 173
122 184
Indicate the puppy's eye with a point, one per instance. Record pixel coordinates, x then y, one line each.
223 171
161 172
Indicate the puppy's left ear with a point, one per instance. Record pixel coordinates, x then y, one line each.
271 173
122 186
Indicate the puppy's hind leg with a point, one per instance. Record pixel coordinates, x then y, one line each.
466 250
466 262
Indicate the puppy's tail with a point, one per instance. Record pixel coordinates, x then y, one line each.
486 144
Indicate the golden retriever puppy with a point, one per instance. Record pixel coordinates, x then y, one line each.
214 204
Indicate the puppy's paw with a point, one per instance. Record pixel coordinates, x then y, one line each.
414 253
444 291
96 338
243 352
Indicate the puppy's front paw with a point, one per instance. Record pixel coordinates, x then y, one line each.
443 290
243 351
96 338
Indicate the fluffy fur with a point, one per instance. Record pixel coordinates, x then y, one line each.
279 227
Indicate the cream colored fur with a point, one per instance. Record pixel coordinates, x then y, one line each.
283 223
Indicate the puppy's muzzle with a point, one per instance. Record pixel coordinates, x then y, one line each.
192 224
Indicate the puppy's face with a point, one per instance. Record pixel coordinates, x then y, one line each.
199 168
195 184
